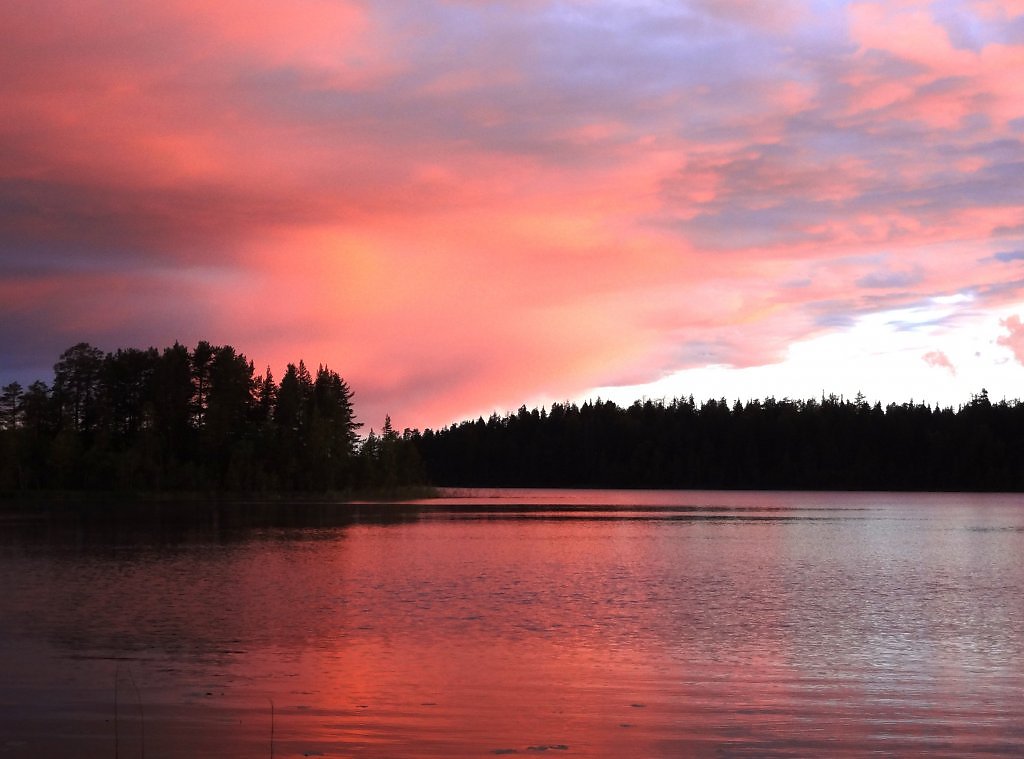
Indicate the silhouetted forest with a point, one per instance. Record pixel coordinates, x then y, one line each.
827 444
192 420
203 420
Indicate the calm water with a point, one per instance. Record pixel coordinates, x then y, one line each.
585 624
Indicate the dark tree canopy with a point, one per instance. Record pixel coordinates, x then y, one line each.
185 420
827 444
203 420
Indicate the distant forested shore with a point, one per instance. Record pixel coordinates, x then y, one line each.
830 443
199 420
203 421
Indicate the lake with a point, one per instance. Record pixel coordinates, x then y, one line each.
556 623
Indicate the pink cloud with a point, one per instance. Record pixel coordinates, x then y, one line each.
1014 337
939 360
464 205
941 84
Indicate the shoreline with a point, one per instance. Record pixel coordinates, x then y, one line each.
86 497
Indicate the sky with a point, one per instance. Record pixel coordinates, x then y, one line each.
464 206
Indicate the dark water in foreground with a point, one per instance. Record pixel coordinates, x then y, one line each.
561 623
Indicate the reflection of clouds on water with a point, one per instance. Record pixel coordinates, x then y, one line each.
734 618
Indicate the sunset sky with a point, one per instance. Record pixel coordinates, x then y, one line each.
464 205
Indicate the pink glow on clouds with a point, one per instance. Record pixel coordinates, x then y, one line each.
939 360
985 80
1014 337
463 206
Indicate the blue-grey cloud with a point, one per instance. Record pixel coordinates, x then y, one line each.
1006 256
886 279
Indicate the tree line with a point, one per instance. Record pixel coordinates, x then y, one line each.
203 420
828 444
192 420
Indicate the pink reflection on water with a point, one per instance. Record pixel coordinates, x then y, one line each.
723 625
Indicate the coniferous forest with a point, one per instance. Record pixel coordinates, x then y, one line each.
203 420
191 420
827 444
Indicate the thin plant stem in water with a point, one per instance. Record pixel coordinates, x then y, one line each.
271 727
117 676
142 714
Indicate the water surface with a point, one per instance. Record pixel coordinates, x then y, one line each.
569 623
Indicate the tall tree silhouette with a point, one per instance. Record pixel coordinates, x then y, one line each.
76 380
10 406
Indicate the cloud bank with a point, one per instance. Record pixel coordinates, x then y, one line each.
467 205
